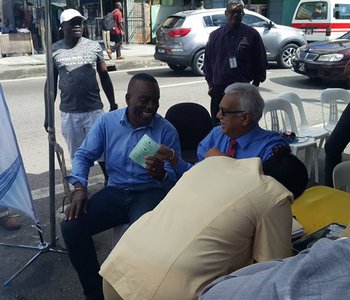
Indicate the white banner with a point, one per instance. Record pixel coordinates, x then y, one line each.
14 188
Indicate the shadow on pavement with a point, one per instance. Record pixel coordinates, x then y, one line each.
51 275
307 83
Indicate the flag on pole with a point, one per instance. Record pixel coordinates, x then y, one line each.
14 187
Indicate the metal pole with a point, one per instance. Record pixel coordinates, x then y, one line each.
50 95
51 119
101 7
126 23
144 23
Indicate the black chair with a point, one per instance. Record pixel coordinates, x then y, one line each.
192 122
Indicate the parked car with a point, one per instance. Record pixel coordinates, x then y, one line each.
323 60
182 37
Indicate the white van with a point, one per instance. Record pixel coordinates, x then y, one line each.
322 20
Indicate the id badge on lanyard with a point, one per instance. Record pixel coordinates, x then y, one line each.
233 62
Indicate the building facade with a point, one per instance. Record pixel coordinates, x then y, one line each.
141 17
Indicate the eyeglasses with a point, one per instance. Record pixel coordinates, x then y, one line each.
226 112
239 12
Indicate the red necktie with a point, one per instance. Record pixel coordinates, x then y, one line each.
231 151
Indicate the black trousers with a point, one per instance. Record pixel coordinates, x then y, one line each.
107 208
118 40
336 144
216 95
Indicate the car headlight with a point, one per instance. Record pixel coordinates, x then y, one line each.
330 57
297 53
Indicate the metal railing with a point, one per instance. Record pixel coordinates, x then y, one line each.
136 25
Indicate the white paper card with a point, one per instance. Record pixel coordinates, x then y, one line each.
145 147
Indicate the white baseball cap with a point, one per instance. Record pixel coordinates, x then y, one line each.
235 3
69 14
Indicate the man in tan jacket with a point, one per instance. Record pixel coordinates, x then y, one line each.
222 215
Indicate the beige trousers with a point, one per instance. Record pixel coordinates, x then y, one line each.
106 39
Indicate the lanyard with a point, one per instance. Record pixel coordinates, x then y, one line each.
236 46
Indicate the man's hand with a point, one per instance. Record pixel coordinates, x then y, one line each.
155 167
214 152
78 204
46 125
164 153
113 106
210 91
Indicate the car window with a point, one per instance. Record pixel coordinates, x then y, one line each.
215 20
312 11
342 11
253 21
173 22
346 36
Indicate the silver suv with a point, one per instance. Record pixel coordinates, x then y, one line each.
182 37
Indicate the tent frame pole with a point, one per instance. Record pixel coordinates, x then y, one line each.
43 246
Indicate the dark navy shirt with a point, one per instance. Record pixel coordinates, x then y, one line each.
246 45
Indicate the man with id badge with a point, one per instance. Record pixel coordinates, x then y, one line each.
234 53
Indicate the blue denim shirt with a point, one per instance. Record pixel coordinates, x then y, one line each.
321 272
113 136
256 143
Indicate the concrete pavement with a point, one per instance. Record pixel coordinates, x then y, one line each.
51 275
135 56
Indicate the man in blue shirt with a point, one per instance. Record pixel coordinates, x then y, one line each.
131 191
320 272
239 134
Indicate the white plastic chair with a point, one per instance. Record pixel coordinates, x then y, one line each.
280 110
341 176
330 99
304 129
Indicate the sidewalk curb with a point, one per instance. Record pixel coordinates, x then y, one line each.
135 64
22 72
27 71
136 57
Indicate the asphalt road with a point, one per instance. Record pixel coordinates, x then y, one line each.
52 276
25 101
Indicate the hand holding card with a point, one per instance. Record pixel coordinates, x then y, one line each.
145 147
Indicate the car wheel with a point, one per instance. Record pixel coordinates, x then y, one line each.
198 63
286 56
177 68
